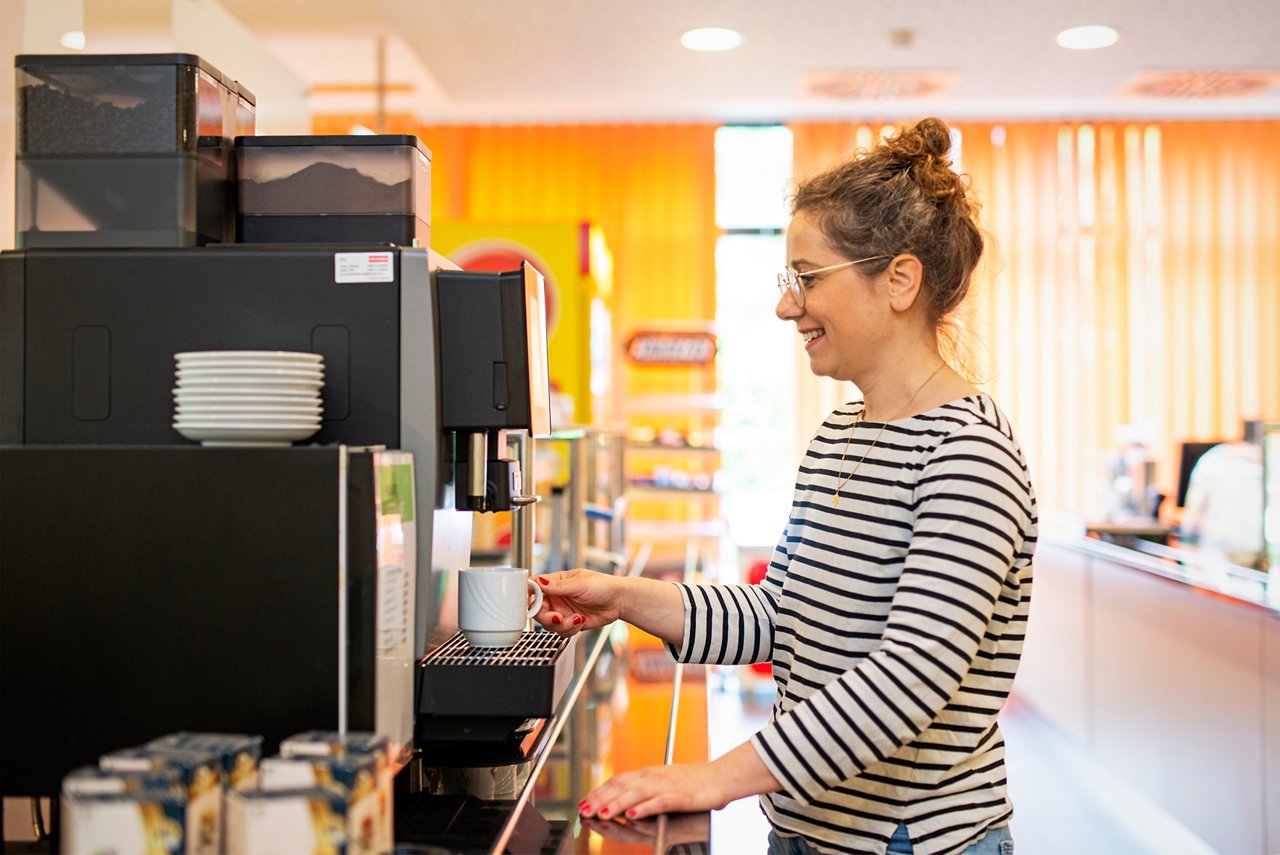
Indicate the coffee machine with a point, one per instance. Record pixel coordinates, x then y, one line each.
151 585
87 338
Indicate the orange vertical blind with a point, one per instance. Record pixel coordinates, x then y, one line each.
1133 277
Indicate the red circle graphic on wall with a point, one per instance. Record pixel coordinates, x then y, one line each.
496 255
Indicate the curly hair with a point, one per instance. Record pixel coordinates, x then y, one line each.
902 196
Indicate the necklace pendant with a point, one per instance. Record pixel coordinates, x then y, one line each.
835 500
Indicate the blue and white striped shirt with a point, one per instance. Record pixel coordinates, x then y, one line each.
894 621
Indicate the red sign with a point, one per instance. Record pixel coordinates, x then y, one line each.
672 348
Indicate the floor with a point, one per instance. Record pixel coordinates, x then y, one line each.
1064 804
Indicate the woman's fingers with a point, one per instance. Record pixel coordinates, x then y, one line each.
651 791
658 804
616 797
563 623
560 616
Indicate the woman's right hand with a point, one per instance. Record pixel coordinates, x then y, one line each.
574 600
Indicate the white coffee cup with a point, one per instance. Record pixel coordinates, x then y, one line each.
493 604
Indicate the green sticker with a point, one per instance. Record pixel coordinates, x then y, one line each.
395 488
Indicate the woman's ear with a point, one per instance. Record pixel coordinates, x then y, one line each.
906 275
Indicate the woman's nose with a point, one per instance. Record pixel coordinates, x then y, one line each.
787 308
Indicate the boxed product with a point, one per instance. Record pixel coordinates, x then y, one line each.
240 753
313 743
150 821
329 744
94 780
199 774
269 822
355 778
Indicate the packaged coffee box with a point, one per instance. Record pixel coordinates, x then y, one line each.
240 753
355 778
200 774
94 780
322 742
269 822
144 821
325 743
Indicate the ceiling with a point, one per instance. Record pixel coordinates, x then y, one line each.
449 61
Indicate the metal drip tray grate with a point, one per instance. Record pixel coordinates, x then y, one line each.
533 649
525 679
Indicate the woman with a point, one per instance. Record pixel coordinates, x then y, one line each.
895 605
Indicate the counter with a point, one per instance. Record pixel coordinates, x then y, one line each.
1165 665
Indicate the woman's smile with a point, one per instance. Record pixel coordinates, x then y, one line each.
810 336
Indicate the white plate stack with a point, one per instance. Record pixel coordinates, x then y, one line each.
247 397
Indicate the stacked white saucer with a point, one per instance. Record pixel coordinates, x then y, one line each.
247 397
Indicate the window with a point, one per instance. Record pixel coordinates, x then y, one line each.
757 356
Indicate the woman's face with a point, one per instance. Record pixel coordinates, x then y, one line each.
846 314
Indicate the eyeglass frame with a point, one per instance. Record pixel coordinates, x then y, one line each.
791 281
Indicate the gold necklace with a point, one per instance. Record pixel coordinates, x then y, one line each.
843 478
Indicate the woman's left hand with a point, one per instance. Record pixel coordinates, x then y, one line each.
686 788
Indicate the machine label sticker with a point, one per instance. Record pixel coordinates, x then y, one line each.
392 616
363 267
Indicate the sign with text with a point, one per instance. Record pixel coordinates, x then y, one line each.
671 348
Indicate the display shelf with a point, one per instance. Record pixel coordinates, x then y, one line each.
676 403
673 462
672 449
662 490
665 531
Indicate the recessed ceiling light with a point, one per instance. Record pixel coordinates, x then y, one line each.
711 38
901 38
72 40
1088 38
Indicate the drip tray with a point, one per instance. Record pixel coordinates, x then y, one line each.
524 680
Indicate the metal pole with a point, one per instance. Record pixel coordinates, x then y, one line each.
522 520
577 519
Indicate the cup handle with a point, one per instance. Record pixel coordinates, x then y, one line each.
537 597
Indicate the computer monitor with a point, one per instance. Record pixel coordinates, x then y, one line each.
1191 453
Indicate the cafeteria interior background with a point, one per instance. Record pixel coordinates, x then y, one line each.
1131 195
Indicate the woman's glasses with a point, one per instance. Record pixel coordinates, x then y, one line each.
794 283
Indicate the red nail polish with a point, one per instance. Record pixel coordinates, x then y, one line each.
586 808
631 813
555 618
604 811
542 581
582 803
578 619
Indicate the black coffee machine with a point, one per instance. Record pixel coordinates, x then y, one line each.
267 590
421 360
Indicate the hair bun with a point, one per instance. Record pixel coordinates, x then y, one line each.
926 140
923 151
935 138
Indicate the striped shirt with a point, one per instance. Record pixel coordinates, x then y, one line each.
894 621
